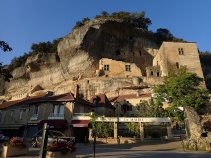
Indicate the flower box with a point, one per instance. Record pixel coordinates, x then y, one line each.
13 151
58 154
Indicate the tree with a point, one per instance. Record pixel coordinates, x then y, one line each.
4 46
149 109
3 72
181 89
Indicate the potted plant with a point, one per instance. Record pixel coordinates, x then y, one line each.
15 146
61 149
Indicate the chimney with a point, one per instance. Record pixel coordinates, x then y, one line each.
76 91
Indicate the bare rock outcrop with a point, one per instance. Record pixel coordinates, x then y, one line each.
78 58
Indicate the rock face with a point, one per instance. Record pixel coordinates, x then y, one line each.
78 59
193 122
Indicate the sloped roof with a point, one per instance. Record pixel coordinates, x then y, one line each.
21 101
102 101
129 96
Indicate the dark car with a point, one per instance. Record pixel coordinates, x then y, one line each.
4 137
53 136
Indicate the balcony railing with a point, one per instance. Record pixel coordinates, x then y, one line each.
56 116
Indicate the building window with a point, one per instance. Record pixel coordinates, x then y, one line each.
177 65
129 107
11 115
106 67
118 52
36 111
127 68
1 116
21 115
58 111
181 51
151 73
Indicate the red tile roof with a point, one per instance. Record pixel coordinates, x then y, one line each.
38 98
102 101
129 96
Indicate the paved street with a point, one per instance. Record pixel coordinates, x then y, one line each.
140 150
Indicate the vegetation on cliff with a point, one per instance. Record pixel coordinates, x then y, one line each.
4 72
42 47
137 21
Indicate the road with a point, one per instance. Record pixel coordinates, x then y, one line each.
141 150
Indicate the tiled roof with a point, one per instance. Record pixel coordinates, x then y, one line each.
102 101
44 98
22 101
129 96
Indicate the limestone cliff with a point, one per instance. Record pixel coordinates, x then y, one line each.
78 59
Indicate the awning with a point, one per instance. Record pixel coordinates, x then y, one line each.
80 123
10 126
53 123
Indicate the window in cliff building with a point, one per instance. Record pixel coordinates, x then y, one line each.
58 111
129 108
151 73
158 74
118 52
106 68
140 53
181 51
36 111
177 65
127 68
21 115
11 115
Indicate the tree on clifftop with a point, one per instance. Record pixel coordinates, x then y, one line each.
3 72
181 89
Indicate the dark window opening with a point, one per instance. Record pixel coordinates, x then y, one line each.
177 65
118 52
151 73
181 51
127 68
106 68
140 53
158 74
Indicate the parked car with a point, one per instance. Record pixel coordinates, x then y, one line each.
53 136
4 137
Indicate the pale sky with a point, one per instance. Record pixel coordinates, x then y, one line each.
24 22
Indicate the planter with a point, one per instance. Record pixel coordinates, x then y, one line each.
50 154
13 151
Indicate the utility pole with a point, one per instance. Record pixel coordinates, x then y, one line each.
44 141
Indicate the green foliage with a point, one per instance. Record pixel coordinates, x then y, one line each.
42 47
3 71
4 46
163 34
181 88
81 23
149 109
133 127
45 47
101 129
137 20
